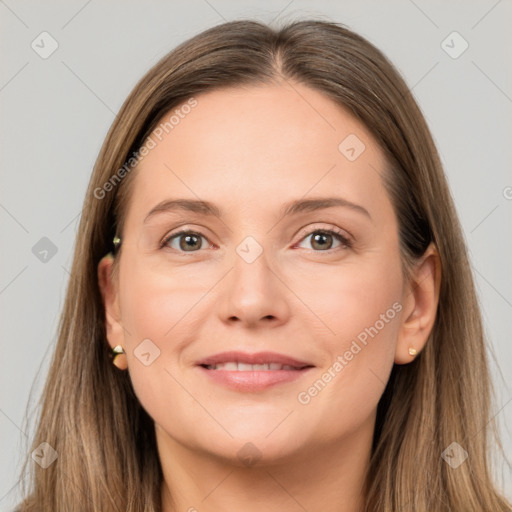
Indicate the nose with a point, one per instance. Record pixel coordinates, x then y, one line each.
254 293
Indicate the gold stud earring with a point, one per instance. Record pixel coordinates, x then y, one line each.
119 357
412 351
116 242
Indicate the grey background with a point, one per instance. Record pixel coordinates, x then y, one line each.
55 113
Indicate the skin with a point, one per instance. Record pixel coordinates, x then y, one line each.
249 150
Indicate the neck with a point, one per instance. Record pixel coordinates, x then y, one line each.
328 478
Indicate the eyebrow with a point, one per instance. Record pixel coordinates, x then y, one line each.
298 206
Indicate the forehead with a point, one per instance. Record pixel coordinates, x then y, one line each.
259 145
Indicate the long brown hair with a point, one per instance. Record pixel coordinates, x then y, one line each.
105 441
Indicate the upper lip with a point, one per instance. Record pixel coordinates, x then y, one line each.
255 358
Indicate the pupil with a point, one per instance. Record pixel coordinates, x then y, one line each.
321 239
190 242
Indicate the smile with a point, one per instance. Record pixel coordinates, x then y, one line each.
245 367
246 372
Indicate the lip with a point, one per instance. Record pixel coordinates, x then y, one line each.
256 380
255 358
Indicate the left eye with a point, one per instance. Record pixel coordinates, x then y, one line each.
323 239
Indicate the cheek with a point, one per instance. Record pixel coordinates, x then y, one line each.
156 304
345 301
155 310
363 309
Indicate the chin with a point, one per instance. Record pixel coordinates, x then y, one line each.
255 447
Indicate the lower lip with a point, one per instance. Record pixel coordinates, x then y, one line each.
253 381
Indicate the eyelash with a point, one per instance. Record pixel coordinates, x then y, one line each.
347 244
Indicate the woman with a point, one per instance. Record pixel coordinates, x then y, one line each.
271 305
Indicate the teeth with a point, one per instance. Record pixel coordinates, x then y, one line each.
245 367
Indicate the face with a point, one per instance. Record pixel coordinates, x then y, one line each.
298 265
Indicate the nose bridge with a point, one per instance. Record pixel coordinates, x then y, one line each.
252 265
253 292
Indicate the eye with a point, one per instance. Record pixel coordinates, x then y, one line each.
191 241
323 239
188 241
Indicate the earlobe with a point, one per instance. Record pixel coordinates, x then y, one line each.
421 297
109 293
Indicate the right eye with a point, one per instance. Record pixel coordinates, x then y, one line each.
187 241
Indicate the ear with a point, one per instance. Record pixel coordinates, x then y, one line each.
420 300
109 292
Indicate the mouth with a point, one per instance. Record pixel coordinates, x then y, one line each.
234 366
252 372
